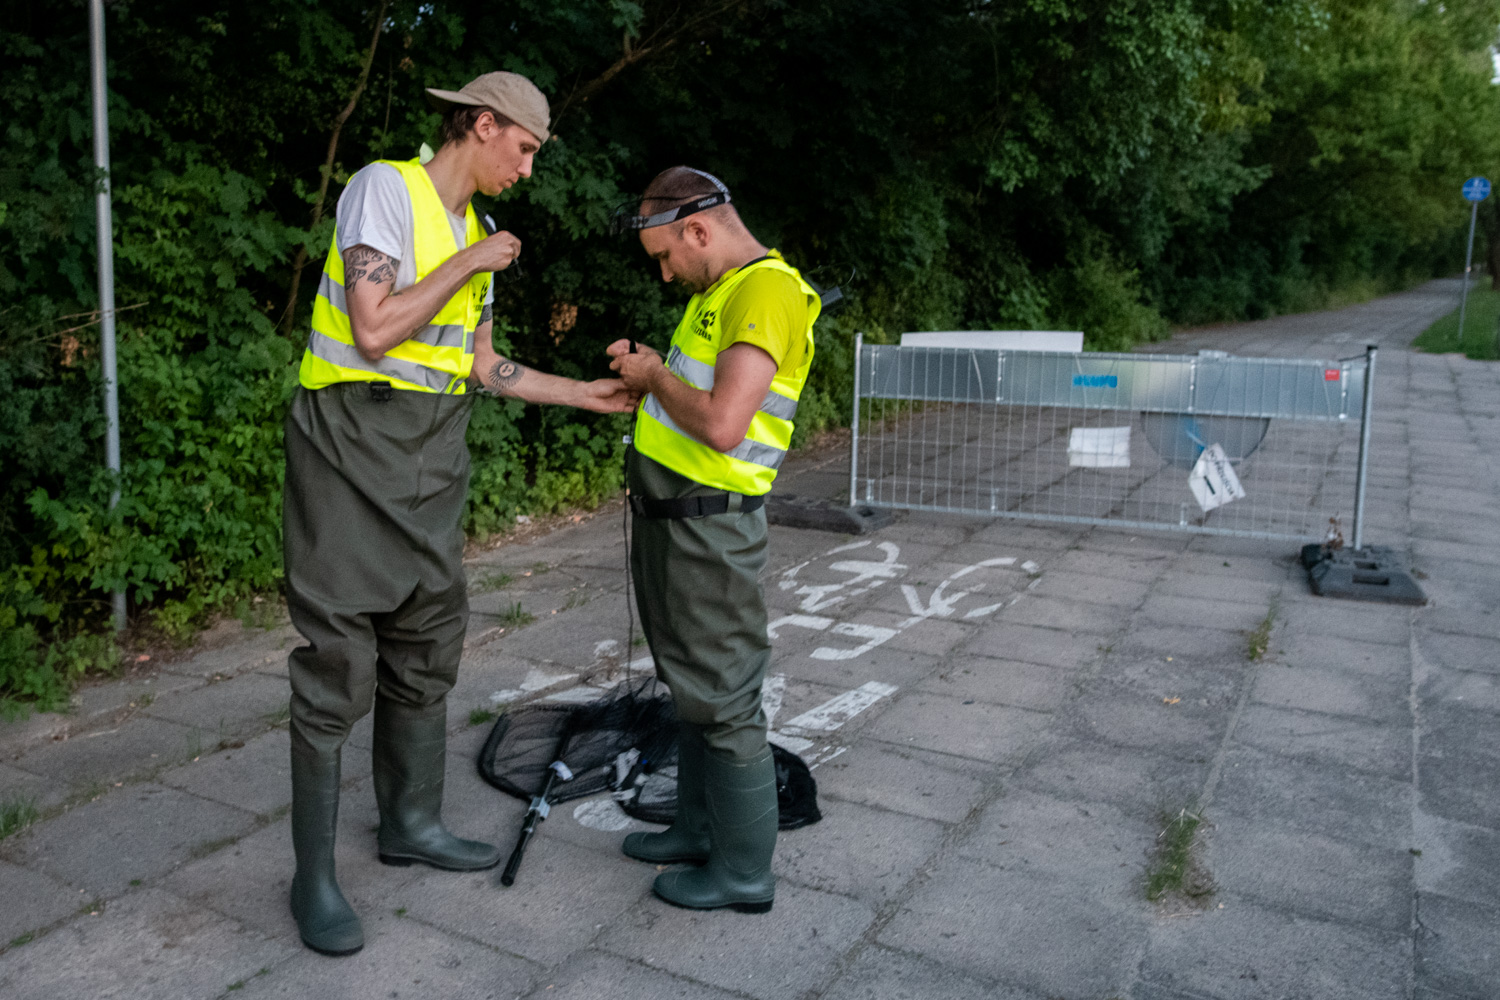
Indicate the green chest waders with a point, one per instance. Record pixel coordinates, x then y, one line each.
697 581
375 489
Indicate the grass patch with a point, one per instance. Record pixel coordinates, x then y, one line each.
1479 333
1259 639
493 581
280 717
516 616
1174 870
480 716
16 814
21 939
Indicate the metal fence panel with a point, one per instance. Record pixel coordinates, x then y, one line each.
1111 438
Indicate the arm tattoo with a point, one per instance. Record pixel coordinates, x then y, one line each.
367 264
502 377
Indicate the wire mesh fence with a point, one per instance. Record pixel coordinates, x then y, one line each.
1261 447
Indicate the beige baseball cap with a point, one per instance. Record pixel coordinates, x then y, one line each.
509 94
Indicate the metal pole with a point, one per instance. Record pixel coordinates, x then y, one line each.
859 339
106 253
1463 302
1363 472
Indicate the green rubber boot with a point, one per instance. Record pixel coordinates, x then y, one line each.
411 746
324 917
742 818
687 838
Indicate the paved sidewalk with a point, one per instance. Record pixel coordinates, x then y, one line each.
1002 717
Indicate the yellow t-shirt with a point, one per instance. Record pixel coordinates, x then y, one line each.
769 310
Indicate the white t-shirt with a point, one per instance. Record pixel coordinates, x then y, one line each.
375 210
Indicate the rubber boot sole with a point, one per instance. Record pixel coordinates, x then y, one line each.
737 907
330 953
401 861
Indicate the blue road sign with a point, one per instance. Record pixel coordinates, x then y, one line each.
1476 189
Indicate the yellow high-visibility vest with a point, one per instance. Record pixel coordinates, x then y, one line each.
438 357
751 466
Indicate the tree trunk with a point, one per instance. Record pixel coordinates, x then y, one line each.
290 315
1491 220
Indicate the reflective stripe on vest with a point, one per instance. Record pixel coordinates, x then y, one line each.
438 357
750 467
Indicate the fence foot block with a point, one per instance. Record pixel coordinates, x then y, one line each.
1373 573
822 515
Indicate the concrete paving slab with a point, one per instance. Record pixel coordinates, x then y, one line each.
1345 620
1140 567
1185 582
885 974
793 950
1456 860
542 917
1336 692
1465 789
1479 691
401 958
1320 651
887 664
1332 801
33 901
1460 652
1067 615
1093 844
1001 682
134 833
1458 946
1311 874
978 731
1356 744
1203 644
18 786
1046 646
1454 730
1092 588
1231 567
1207 684
252 650
906 780
230 707
1474 620
1142 784
106 697
967 906
135 748
256 776
594 975
1193 612
1120 716
1248 951
856 851
148 946
249 880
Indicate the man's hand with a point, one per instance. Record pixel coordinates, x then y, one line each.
607 395
636 370
495 253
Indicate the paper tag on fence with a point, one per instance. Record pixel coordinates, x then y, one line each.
1099 447
1213 480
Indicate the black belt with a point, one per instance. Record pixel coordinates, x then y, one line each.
680 507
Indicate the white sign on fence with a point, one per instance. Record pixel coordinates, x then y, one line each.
1099 447
1213 480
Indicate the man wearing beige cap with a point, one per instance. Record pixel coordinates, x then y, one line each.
377 476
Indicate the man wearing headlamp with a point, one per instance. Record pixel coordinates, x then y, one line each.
710 434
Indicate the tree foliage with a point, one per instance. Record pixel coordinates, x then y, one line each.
1104 165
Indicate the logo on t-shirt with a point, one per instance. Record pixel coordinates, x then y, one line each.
705 322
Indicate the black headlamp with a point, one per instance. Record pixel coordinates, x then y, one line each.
622 221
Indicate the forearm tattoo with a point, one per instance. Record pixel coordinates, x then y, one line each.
502 377
362 263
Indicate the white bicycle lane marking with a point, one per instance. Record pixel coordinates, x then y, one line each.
864 575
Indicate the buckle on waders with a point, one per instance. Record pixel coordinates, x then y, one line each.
381 392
